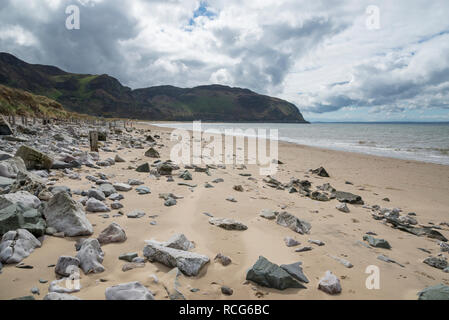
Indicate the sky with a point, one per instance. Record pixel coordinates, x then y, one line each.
336 60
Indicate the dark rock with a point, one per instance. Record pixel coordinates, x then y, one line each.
295 270
34 159
438 292
348 197
377 243
270 275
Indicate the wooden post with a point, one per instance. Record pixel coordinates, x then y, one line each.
93 139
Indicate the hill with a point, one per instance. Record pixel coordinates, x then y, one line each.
103 95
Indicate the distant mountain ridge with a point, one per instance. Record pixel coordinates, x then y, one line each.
103 95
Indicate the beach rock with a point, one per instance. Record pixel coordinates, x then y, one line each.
188 262
317 242
377 243
319 196
143 190
135 214
290 242
438 292
91 256
179 241
347 197
60 296
164 169
132 265
64 285
288 220
227 291
227 224
268 214
16 216
170 202
122 187
295 270
185 175
96 194
135 182
113 233
116 197
145 167
34 159
152 153
343 207
65 264
116 205
26 199
57 189
107 189
321 172
5 128
9 168
128 256
119 159
17 245
94 205
344 262
436 262
303 249
268 274
238 188
330 284
172 286
66 215
444 247
128 291
224 260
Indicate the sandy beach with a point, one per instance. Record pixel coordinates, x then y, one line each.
412 186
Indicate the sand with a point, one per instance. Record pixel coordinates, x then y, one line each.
410 185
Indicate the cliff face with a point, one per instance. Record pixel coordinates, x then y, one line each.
102 95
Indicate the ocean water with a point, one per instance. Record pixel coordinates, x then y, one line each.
428 142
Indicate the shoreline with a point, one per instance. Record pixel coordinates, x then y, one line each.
155 124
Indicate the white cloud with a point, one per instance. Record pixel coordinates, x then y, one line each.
318 55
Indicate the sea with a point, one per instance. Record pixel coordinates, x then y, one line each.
427 142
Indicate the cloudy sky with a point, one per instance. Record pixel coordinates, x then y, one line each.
336 60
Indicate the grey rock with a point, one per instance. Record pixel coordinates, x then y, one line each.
227 224
224 260
227 291
303 249
436 262
347 197
268 274
16 216
317 242
122 187
116 197
113 233
94 205
107 189
295 270
143 190
91 256
343 207
65 265
60 296
116 205
152 153
9 168
128 256
290 242
17 245
330 284
288 220
188 262
96 194
34 159
135 214
128 291
64 285
268 214
377 243
438 292
66 215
